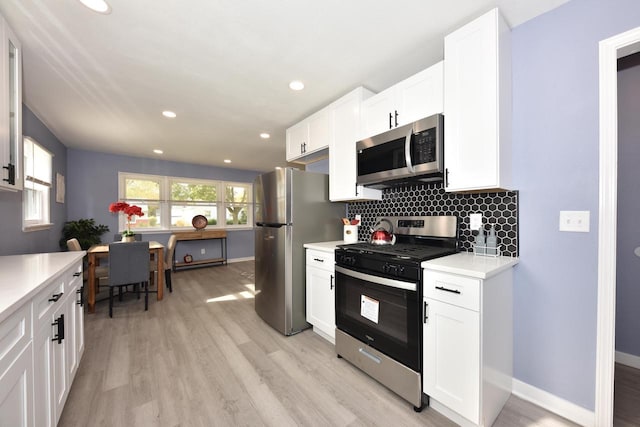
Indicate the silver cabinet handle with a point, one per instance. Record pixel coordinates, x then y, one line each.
369 355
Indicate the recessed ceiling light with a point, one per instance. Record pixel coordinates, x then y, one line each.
100 6
158 151
296 85
169 114
265 135
227 161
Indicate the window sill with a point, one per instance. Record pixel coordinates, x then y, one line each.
37 227
181 230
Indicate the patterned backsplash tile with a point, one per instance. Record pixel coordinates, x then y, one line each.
499 208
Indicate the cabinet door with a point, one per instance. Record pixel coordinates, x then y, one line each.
319 131
70 325
10 109
345 123
421 95
297 140
16 391
59 361
378 113
472 120
451 365
79 324
321 300
43 376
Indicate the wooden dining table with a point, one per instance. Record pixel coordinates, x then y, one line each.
101 251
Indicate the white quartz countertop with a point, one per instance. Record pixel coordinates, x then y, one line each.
325 246
24 275
468 264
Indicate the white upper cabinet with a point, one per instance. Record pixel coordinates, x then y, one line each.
418 96
477 105
345 125
10 109
307 139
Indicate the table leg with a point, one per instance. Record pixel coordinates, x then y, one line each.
91 300
159 254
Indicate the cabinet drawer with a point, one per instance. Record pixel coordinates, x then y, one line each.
319 259
44 304
72 276
15 334
456 290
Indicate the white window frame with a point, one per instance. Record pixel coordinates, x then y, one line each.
43 185
165 201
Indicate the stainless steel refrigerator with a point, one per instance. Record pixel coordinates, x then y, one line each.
291 208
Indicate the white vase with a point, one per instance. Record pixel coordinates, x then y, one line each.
128 238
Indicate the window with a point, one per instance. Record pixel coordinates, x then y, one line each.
172 202
37 184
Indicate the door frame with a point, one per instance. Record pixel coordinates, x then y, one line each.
610 50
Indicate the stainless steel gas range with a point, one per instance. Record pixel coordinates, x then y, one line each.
379 301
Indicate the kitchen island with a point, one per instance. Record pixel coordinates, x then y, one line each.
41 335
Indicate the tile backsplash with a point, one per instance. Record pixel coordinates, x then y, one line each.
499 208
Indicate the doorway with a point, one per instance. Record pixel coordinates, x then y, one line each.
610 50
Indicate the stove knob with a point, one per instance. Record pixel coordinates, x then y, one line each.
400 271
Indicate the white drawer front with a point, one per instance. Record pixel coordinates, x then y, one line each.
72 277
15 333
319 259
44 303
456 290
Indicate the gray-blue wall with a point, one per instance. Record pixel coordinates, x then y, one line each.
14 240
628 264
555 159
92 184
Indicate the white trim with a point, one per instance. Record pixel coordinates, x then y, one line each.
452 415
605 335
628 359
553 403
249 258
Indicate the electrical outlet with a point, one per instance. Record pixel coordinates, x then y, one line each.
202 251
475 221
358 217
577 221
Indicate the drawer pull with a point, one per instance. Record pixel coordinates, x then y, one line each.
453 291
76 274
80 301
60 333
318 259
56 297
369 355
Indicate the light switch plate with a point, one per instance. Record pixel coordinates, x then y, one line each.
475 221
577 221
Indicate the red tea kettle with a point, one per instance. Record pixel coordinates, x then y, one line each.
380 236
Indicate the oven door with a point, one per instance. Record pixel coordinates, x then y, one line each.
381 312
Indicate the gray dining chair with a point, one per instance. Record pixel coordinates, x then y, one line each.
168 261
128 265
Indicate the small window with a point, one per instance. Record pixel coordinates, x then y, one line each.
37 184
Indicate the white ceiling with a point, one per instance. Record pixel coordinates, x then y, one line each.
100 82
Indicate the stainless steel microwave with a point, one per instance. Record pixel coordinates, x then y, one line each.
410 152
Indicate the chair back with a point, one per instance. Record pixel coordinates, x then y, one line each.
128 263
73 245
171 247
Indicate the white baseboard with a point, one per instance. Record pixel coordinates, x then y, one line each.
628 359
553 403
249 258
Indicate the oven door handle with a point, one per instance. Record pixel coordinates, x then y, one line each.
409 286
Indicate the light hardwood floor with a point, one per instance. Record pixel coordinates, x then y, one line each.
626 404
202 357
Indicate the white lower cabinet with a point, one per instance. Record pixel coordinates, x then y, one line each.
16 370
320 287
467 348
34 385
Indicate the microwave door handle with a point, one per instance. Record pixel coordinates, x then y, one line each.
407 151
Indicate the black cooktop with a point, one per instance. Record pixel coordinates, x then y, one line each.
403 251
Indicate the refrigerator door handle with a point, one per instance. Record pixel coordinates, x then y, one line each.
270 224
